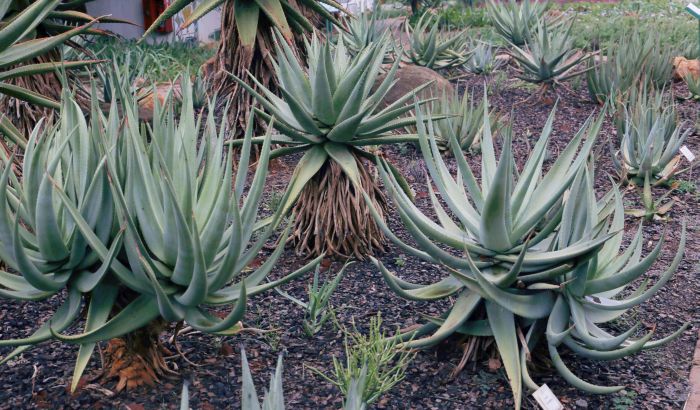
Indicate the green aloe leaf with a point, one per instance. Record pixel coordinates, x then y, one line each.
101 305
27 95
205 7
25 22
135 315
502 322
308 166
246 19
274 11
341 154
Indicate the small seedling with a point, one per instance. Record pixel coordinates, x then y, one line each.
275 200
317 308
653 210
374 357
685 187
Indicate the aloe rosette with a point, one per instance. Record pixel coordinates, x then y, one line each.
429 47
247 41
142 227
464 122
330 110
514 21
360 31
535 253
650 138
549 57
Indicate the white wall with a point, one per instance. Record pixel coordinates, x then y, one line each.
132 10
357 6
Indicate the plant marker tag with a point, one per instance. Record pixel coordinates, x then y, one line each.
687 153
546 399
693 10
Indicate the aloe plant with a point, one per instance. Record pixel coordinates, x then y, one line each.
431 48
650 137
654 210
693 84
618 70
361 30
658 65
483 60
536 254
29 31
247 41
144 228
464 121
317 310
549 57
274 395
330 110
272 400
516 22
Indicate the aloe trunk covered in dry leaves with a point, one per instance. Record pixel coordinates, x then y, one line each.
247 44
137 358
235 57
333 215
31 36
23 114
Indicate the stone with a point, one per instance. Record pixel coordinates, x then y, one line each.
683 67
146 100
409 77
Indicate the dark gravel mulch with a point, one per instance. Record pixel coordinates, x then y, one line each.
654 379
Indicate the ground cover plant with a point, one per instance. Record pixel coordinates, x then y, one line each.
155 63
523 260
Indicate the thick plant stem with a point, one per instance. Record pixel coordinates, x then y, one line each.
332 216
25 115
137 359
233 58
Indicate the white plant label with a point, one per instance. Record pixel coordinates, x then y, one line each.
687 153
546 399
693 9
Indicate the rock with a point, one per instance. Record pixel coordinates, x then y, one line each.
409 77
683 67
581 403
146 100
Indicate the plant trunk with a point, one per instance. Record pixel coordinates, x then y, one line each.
414 7
25 115
332 216
138 358
231 57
